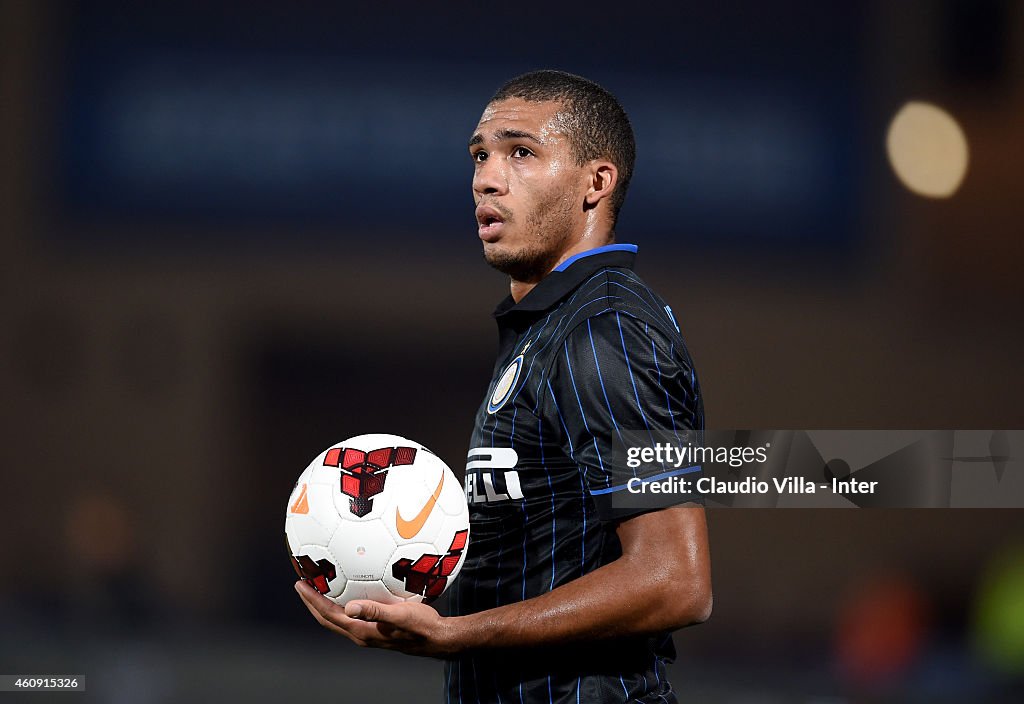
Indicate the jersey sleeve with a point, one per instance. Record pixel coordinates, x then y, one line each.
619 380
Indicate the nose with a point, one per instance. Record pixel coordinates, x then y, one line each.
490 178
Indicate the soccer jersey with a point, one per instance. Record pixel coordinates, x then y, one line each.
589 353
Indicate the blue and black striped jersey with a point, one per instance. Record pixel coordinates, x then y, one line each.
590 352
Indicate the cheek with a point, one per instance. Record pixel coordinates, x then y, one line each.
540 175
544 190
551 208
541 180
557 169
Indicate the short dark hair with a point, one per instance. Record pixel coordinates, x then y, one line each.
594 121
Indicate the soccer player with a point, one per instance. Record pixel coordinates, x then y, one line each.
563 596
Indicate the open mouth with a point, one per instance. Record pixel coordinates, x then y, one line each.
489 221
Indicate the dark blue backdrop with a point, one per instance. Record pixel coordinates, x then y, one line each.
320 116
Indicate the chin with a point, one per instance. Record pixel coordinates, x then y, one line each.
497 252
500 259
520 265
491 250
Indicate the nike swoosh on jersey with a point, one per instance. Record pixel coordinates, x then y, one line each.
409 529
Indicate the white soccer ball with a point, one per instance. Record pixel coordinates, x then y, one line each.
377 517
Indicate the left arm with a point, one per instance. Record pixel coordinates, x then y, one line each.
661 582
625 374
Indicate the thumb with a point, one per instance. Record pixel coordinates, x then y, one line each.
366 610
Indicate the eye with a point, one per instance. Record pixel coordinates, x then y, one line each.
521 152
479 156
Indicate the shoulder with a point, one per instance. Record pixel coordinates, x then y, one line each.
622 367
615 308
620 336
613 288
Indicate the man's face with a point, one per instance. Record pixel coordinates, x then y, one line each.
528 189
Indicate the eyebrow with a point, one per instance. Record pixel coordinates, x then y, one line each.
504 134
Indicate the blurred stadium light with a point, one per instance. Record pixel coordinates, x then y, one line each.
927 149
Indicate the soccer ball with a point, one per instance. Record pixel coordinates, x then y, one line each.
377 517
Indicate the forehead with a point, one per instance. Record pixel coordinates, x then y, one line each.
540 118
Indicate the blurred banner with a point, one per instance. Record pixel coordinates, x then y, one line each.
166 123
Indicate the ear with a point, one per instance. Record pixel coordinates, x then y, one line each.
604 176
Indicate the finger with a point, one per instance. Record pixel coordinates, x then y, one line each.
332 618
375 622
373 611
323 620
363 631
319 604
326 607
308 592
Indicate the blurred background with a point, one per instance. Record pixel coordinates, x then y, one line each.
233 234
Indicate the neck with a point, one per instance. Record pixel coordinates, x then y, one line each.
519 289
588 241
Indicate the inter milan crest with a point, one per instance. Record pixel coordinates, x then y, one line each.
506 384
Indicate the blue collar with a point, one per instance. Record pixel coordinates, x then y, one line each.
597 250
564 278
